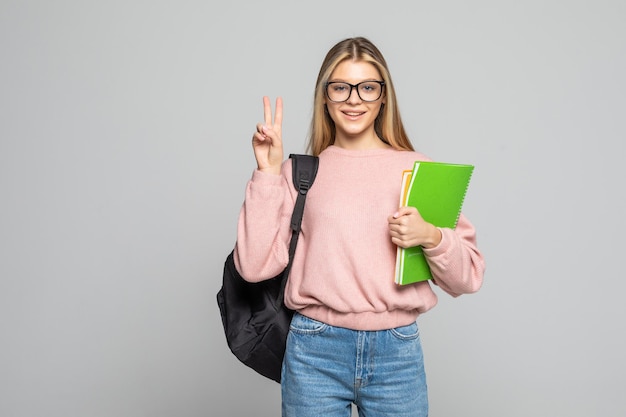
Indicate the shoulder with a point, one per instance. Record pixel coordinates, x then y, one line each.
413 155
406 158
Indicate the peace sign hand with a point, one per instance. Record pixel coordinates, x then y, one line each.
267 140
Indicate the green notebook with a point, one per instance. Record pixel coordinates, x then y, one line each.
437 190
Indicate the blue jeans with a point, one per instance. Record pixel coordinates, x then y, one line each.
328 368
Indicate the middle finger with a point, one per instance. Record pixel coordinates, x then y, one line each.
278 117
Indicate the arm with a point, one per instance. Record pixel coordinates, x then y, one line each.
263 230
456 263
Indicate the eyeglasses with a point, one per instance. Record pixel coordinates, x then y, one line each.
367 90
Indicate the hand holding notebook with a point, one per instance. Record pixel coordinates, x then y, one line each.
437 190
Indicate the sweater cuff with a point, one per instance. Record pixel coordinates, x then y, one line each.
265 186
442 247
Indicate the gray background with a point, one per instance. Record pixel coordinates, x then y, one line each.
125 148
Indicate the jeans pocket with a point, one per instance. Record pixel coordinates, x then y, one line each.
304 325
408 332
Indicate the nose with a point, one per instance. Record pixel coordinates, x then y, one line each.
354 95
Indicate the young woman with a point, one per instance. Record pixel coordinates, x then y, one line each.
354 337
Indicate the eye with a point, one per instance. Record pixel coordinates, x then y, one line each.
338 87
369 87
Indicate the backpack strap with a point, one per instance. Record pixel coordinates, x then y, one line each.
304 170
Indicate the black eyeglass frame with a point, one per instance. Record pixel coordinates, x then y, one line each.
354 86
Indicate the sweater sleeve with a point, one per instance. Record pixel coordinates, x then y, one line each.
456 263
263 230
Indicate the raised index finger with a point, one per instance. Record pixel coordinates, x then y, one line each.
267 111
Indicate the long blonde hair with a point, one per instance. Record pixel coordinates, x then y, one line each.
388 124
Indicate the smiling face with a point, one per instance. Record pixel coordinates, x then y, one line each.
354 118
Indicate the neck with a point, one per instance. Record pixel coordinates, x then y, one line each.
362 143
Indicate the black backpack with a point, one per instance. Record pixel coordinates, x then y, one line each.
255 319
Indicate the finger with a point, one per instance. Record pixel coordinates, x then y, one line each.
258 140
393 219
267 110
405 210
398 217
278 117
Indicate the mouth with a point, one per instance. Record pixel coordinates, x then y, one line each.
353 114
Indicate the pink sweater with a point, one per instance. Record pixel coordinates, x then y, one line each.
343 270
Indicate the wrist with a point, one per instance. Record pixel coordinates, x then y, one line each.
270 170
434 238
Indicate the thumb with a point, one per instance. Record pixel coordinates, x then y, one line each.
403 211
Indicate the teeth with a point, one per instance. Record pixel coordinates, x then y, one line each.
353 114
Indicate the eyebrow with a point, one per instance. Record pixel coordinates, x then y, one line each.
339 80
